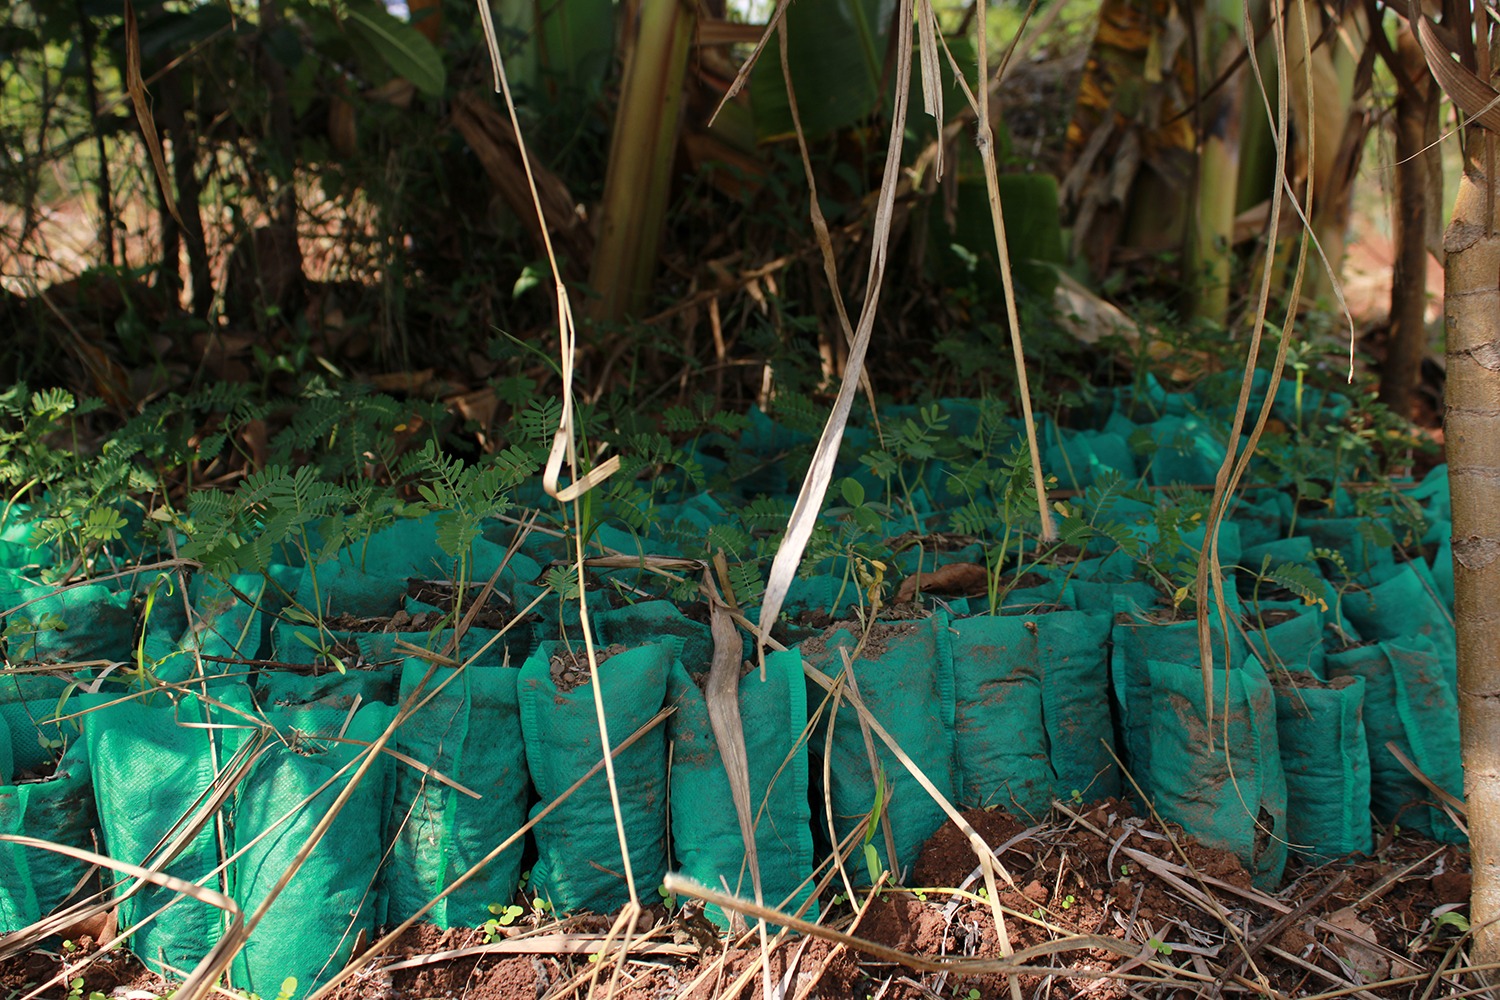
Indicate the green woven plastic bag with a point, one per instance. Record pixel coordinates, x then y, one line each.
904 676
1286 637
471 733
706 837
1138 639
1327 764
579 864
1406 603
1031 709
91 622
1233 796
60 809
651 621
1408 703
150 765
309 931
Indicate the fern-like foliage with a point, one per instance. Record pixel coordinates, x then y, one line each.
1301 579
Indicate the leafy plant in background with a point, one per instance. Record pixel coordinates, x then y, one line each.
857 539
1299 579
911 445
75 497
465 496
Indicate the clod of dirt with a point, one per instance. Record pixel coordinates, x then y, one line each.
570 669
1302 679
878 641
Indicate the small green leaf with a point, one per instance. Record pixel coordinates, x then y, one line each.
872 863
876 808
308 641
529 278
852 492
1453 919
400 46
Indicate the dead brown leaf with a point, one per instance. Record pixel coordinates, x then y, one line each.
953 580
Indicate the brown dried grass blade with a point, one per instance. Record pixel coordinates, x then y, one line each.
1016 964
1471 95
932 81
141 101
1209 579
722 694
395 932
820 470
819 223
233 937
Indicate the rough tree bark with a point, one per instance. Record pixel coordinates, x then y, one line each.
1472 312
1416 127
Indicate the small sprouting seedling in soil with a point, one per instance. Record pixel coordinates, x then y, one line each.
75 991
1040 913
69 946
840 899
288 987
1125 870
668 899
1159 946
1457 921
984 893
872 857
1068 902
504 916
1077 797
322 645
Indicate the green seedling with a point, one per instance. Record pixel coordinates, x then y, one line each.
322 645
504 916
1451 918
20 633
872 856
75 991
1159 946
1068 902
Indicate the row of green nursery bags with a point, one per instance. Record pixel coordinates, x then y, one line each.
1006 710
225 786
